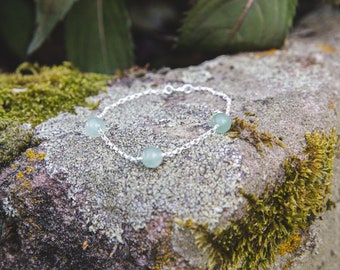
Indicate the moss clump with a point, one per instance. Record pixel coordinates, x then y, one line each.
33 94
248 131
45 91
14 138
272 219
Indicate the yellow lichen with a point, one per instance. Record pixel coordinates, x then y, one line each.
327 48
26 185
269 52
29 170
25 170
293 242
20 175
14 167
33 155
85 245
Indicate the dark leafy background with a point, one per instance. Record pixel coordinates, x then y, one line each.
107 35
259 24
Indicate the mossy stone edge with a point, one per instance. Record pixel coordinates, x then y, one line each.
33 94
273 219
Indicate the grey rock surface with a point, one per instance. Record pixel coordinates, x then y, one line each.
122 209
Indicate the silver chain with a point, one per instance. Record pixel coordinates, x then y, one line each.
167 90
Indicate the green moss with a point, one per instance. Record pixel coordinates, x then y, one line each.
272 219
45 91
33 94
14 138
248 131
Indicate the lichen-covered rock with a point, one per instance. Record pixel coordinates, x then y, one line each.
248 198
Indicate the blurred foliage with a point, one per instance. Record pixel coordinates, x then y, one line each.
237 25
16 25
106 35
333 2
84 37
48 13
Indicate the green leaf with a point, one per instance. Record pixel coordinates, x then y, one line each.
98 37
237 25
16 25
48 13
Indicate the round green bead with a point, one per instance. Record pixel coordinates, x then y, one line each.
93 125
222 121
152 157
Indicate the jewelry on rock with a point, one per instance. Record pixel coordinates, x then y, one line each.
152 156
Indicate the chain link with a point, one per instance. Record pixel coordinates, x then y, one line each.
116 149
167 90
188 145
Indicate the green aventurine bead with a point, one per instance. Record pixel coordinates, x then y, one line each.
152 157
222 121
93 125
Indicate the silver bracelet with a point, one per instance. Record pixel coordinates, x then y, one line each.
152 156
